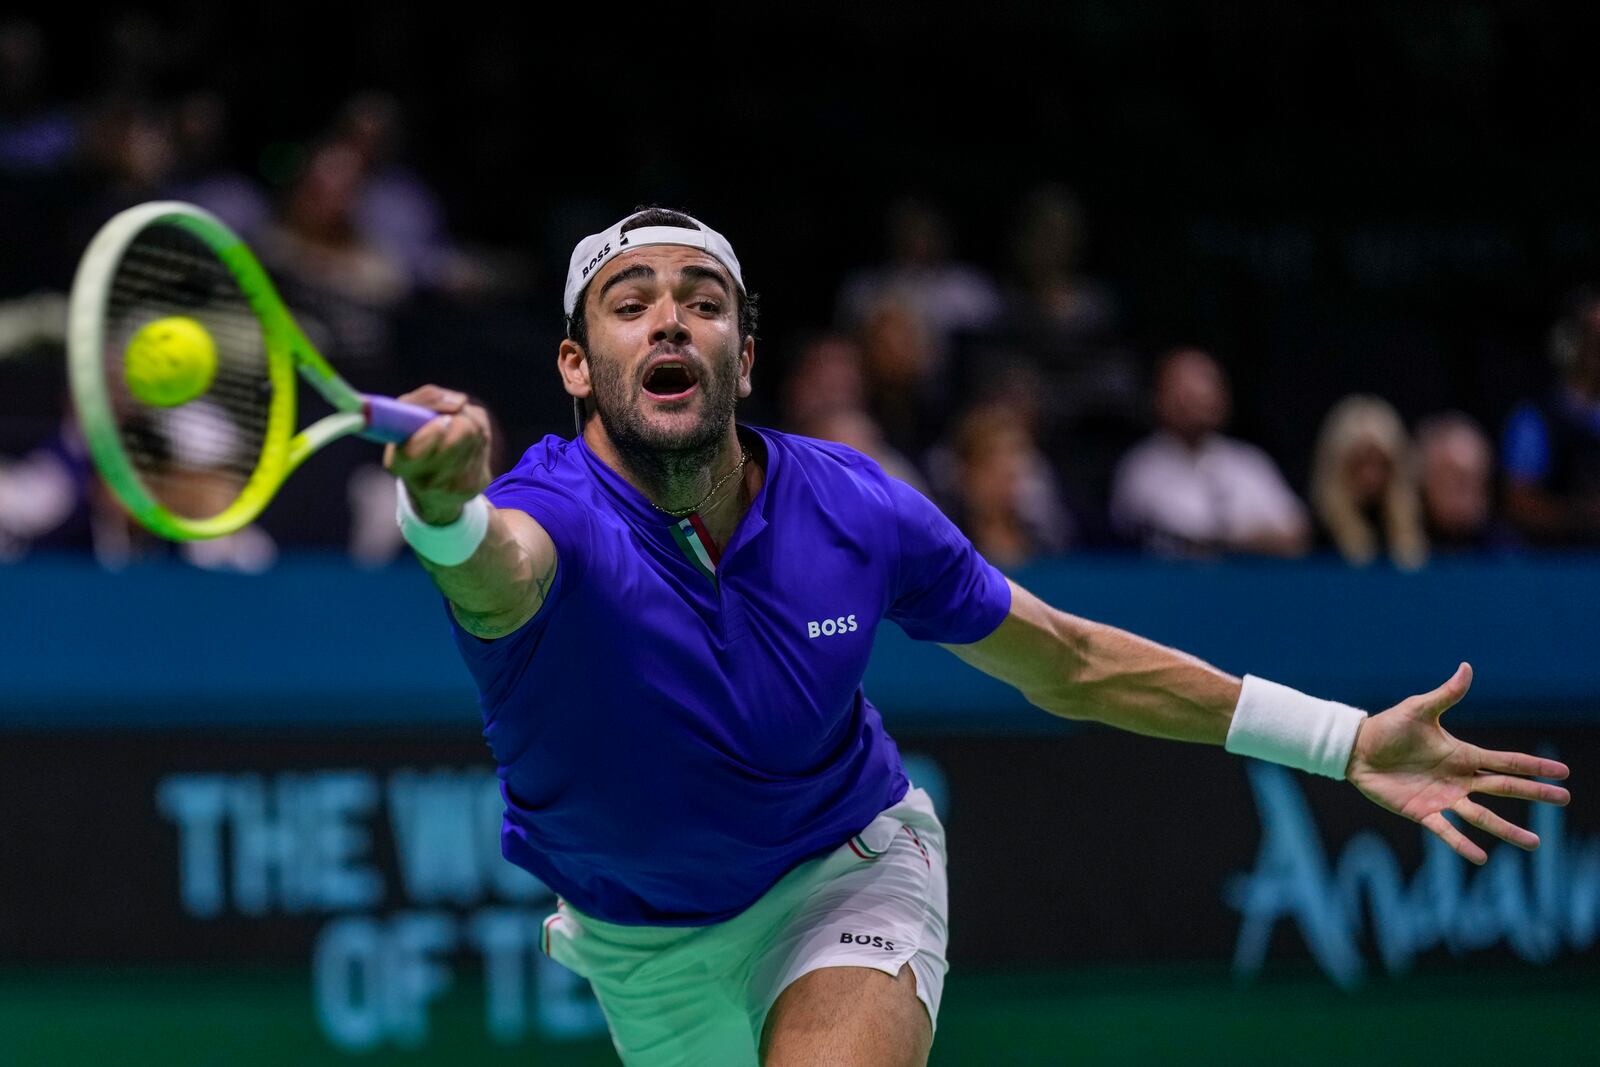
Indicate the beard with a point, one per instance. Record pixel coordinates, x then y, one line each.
666 455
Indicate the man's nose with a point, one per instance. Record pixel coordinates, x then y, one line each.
669 325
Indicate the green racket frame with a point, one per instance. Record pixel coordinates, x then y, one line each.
287 351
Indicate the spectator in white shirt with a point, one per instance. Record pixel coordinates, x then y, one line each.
1187 490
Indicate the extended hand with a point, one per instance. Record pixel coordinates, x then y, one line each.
1404 760
446 463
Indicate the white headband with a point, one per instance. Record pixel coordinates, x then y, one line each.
595 249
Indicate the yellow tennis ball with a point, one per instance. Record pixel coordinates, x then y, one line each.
170 361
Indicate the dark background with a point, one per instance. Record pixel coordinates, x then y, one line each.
1386 198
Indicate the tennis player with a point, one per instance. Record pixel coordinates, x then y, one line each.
668 618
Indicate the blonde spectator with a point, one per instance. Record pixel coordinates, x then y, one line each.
1364 485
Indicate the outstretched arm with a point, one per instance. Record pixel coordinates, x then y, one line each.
1401 759
1079 669
444 467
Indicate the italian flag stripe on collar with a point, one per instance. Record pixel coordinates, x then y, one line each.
691 535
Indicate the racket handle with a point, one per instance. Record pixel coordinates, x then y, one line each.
391 421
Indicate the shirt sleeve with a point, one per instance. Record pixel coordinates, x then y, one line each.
1525 454
943 589
496 664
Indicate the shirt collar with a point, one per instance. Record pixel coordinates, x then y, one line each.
635 504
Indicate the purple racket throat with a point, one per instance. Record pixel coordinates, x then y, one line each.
393 421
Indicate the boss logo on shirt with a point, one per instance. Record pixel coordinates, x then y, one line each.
864 939
844 624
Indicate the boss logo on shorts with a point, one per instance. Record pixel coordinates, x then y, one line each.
869 940
843 624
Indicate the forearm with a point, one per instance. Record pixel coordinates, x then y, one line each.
1136 684
494 565
1079 669
505 580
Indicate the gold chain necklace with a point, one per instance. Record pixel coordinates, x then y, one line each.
678 513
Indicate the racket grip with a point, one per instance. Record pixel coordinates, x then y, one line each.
391 421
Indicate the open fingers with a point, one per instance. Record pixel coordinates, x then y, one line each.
1522 763
1439 825
1490 823
1440 700
1501 785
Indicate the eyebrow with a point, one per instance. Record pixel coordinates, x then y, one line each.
638 270
641 270
694 270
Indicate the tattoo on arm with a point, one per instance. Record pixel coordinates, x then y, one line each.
543 583
488 625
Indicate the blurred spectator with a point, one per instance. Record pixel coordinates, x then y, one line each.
130 149
1364 487
52 499
347 295
824 397
854 427
203 175
1551 452
1456 462
1052 294
1060 328
398 213
37 135
344 289
1189 490
395 211
947 296
1066 321
906 394
198 457
126 157
39 493
826 376
1004 497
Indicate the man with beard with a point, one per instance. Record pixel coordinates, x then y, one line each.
668 619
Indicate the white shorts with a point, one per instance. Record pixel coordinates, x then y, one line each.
700 994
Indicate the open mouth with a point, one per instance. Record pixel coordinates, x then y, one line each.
669 380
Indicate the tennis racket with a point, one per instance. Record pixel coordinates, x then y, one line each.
190 467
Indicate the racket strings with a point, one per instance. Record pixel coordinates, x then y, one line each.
194 458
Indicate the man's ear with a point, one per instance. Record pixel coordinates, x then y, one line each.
573 363
747 359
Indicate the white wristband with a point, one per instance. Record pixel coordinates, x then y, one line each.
445 545
1283 725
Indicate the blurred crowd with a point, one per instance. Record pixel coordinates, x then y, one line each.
1021 411
1014 393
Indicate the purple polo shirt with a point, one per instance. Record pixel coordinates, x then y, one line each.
671 743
